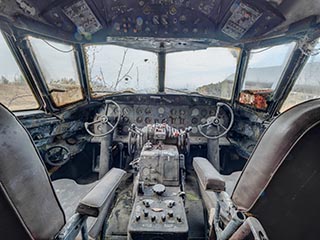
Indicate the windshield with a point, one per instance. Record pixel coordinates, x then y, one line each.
114 69
209 72
15 93
59 69
266 66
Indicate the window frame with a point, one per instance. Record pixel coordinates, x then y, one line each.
21 65
236 73
279 81
87 74
289 90
42 77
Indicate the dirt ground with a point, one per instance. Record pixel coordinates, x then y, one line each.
17 96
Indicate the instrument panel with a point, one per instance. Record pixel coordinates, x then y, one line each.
179 117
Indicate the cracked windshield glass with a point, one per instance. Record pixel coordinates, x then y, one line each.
15 93
209 72
114 69
59 69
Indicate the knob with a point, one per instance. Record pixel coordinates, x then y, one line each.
153 218
179 219
145 213
159 189
163 218
170 213
137 218
171 204
146 203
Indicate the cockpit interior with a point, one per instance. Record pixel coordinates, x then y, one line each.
159 119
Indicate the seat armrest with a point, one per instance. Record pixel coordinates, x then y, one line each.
209 177
93 203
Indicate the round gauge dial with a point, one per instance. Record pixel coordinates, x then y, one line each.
116 110
148 120
194 130
212 112
161 110
173 111
139 110
195 112
139 120
125 111
204 112
148 110
194 121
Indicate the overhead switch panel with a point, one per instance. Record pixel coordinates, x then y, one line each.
83 17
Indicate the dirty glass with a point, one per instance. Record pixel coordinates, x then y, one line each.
266 66
307 86
209 72
263 74
58 67
115 69
15 93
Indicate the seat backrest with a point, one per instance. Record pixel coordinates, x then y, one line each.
28 203
280 183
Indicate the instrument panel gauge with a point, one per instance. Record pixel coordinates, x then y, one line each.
195 112
147 111
212 112
125 111
139 120
173 111
139 111
182 112
161 110
194 130
194 121
148 120
204 112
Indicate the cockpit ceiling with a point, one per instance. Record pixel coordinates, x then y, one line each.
222 21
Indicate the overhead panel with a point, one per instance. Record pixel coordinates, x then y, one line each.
83 17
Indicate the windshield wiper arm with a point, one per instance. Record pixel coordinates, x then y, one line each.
56 90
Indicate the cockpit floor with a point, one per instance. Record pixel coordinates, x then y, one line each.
119 218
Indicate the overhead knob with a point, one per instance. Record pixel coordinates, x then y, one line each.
153 218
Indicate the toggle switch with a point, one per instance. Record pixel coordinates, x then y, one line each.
145 213
170 213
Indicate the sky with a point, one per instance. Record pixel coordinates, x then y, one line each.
184 70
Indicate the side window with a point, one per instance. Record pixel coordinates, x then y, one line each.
15 93
58 66
307 86
264 71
